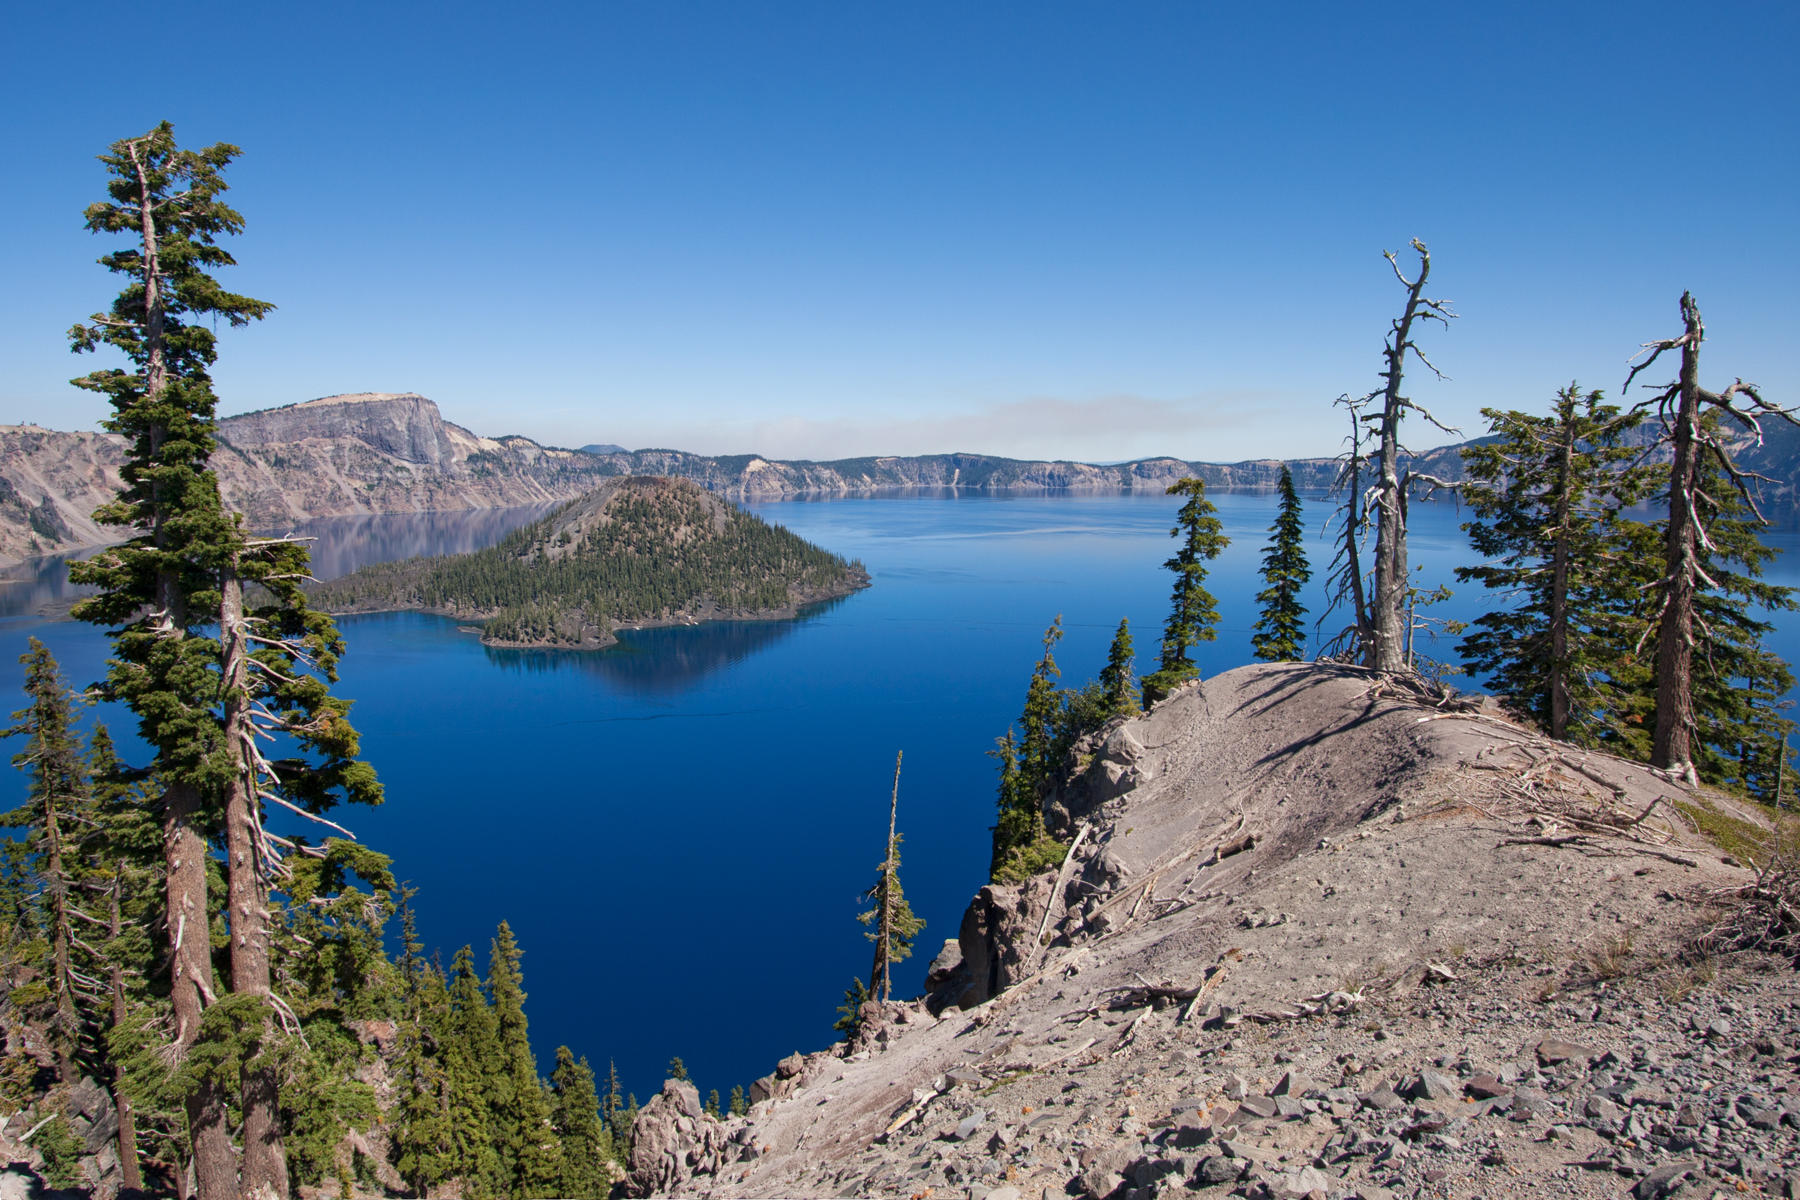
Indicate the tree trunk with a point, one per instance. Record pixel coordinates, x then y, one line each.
1559 586
67 1022
265 1162
1387 642
184 846
881 973
1672 747
130 1174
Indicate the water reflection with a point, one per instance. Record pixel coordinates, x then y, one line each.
665 661
346 544
40 586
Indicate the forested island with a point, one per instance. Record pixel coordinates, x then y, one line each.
634 552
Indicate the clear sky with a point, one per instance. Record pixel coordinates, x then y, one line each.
1080 230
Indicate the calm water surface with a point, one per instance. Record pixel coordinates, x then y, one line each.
678 829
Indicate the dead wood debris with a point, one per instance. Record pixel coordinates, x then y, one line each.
1761 915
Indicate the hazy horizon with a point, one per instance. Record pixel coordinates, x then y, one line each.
817 230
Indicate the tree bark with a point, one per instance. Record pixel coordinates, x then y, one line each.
881 973
265 1161
130 1174
1672 745
184 846
1386 650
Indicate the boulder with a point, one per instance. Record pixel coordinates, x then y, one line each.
672 1141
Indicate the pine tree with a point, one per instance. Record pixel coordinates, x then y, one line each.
199 702
1022 844
1280 633
1544 491
892 923
522 1113
850 1011
419 1125
1118 687
57 807
1194 614
576 1119
677 1069
712 1104
740 1104
472 1066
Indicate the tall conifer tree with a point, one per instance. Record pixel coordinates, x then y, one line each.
522 1114
576 1118
1194 613
1544 492
1118 688
1280 632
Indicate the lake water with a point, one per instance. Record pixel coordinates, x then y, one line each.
678 829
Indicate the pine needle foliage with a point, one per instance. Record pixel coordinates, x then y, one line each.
1194 612
1280 634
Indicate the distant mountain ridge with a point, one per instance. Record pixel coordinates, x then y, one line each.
384 452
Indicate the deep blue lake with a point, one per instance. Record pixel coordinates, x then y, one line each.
678 829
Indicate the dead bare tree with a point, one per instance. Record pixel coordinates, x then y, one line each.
1682 406
1344 582
1384 647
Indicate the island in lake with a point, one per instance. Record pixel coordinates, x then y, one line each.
634 552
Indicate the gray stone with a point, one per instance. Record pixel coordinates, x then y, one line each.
1005 1191
964 1075
1258 1106
1486 1087
1434 1085
789 1067
1291 1084
1189 1132
1663 1180
1288 1108
1383 1099
969 1124
1218 1169
1553 1052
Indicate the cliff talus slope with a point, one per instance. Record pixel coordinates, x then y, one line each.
1320 936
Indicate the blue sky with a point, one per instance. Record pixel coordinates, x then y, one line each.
1077 230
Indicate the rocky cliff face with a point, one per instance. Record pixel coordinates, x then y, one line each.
1320 936
338 456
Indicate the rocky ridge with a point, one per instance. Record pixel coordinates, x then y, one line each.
377 452
1322 937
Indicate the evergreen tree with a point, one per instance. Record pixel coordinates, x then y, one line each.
849 1012
159 590
420 1123
677 1069
740 1104
1118 687
201 702
1545 492
892 923
522 1111
57 807
712 1103
576 1119
1022 844
1280 633
473 1068
1194 614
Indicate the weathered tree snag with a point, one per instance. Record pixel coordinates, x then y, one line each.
1681 407
1386 648
247 900
881 973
